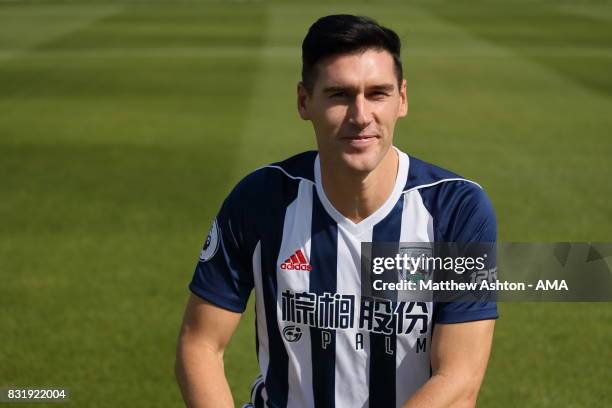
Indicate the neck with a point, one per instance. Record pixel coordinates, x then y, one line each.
357 195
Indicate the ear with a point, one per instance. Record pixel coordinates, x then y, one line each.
302 101
403 107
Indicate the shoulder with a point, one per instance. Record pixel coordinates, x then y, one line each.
423 175
460 207
276 178
262 196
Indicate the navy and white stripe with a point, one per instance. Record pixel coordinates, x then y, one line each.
282 208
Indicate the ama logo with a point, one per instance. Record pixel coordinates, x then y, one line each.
212 243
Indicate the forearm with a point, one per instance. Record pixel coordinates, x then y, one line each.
201 377
442 391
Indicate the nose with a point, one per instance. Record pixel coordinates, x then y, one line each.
359 114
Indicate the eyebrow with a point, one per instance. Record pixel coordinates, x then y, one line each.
338 88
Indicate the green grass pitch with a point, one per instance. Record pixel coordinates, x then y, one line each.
123 125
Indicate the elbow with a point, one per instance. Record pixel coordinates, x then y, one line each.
468 402
469 396
178 367
178 363
465 392
179 359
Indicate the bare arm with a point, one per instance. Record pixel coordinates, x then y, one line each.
459 357
205 332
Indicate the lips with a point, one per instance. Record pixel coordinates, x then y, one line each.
361 137
360 140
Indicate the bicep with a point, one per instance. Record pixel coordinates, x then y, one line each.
461 350
208 325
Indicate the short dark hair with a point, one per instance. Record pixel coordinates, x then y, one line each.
346 34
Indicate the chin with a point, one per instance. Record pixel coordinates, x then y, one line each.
361 162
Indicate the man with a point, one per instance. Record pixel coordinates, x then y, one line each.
292 231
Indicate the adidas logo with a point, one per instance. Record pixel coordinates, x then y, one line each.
297 261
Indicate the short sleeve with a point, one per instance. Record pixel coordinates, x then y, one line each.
472 219
223 274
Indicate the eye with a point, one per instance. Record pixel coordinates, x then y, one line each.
338 94
379 95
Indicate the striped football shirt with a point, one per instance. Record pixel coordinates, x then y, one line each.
319 342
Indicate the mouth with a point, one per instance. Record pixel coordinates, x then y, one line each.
360 140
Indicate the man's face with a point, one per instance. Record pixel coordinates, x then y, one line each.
353 108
